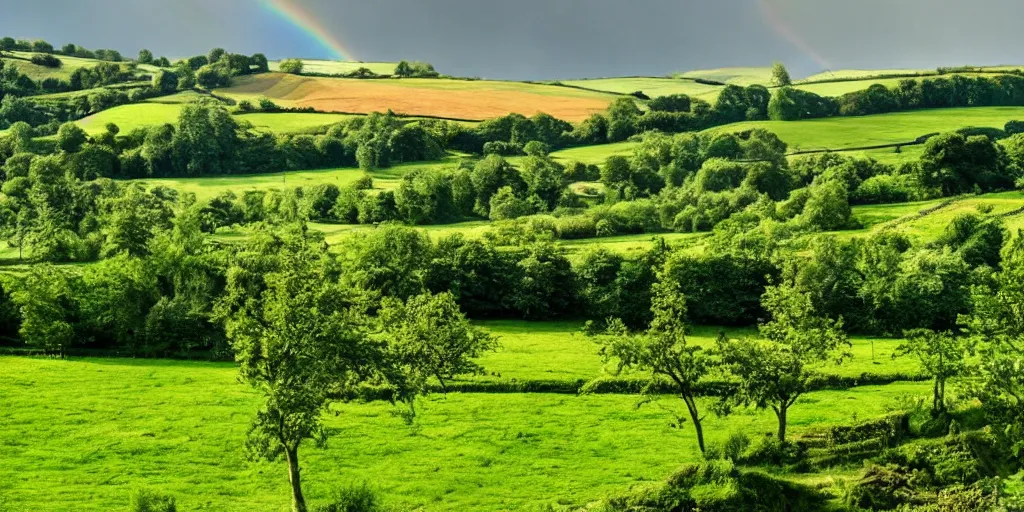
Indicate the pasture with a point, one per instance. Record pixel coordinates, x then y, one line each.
858 74
291 122
131 116
338 67
847 86
178 427
732 75
838 133
652 87
455 99
37 73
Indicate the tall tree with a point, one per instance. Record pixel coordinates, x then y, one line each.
775 372
780 75
663 352
298 336
942 354
431 338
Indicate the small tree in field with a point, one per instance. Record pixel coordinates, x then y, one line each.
293 66
298 337
775 372
780 75
430 337
663 352
942 354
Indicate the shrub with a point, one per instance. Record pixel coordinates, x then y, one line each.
576 227
293 66
47 60
771 451
144 500
353 499
365 182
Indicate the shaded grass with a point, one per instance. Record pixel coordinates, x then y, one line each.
178 427
652 87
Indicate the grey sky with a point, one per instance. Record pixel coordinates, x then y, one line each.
533 39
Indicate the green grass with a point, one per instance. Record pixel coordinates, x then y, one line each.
130 117
335 67
559 351
844 87
847 74
837 133
736 75
652 87
79 435
37 73
291 122
594 154
207 187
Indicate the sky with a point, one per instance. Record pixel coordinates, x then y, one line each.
548 39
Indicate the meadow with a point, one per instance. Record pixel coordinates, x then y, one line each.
37 72
178 427
742 76
652 87
336 67
455 99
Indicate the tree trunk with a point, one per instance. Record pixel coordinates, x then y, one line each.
298 501
781 414
691 405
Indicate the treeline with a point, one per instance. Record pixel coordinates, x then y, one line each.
71 50
790 104
160 263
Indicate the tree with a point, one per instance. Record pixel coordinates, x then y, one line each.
622 118
298 337
942 354
215 55
775 372
70 137
165 81
431 338
403 69
780 75
293 66
145 56
44 298
663 352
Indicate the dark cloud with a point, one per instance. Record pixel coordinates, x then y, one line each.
533 39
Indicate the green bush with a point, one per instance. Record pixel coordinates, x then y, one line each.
771 451
576 227
353 499
144 500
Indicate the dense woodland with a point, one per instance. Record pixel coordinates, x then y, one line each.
387 315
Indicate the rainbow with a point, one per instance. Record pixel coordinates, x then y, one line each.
778 23
300 17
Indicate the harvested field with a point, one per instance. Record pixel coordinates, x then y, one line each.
473 100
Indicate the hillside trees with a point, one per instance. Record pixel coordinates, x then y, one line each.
293 66
943 355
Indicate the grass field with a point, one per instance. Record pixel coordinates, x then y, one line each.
848 86
178 427
208 187
849 74
734 75
469 99
336 67
652 87
291 122
132 116
849 132
37 73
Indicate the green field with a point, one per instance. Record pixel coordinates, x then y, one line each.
132 116
37 73
178 427
336 67
291 122
843 87
208 187
734 75
839 133
652 87
849 74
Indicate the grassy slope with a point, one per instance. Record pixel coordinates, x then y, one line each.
841 88
735 75
652 87
37 73
178 427
334 67
208 187
847 132
291 122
